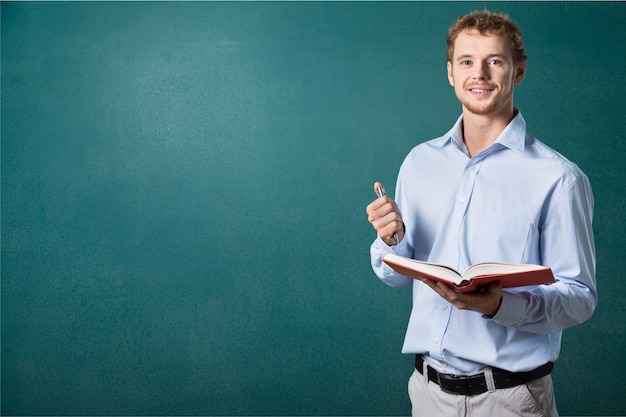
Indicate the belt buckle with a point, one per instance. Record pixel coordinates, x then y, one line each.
462 385
452 384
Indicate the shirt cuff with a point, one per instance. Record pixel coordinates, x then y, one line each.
511 309
402 248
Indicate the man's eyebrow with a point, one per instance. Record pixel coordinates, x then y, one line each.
468 56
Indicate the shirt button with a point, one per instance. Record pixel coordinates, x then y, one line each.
435 341
444 308
462 200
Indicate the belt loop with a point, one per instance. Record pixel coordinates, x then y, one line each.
491 383
425 371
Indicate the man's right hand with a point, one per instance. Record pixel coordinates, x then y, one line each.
384 215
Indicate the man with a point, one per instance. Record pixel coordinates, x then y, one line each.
488 191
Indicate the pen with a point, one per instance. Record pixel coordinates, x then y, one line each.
382 193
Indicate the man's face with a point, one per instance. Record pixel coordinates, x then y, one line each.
483 74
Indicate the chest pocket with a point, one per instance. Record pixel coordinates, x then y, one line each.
501 238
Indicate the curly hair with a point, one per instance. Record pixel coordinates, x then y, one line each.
486 22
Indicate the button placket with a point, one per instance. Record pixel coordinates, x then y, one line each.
464 194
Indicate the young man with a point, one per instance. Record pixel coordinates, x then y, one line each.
488 191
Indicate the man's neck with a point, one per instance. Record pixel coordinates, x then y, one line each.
481 131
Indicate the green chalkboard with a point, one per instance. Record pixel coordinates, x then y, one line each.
184 188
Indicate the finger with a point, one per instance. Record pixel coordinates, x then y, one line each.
444 290
385 221
388 234
374 209
380 208
433 285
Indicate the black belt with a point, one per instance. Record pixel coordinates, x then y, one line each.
477 384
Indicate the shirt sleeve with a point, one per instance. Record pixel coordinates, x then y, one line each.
568 248
382 270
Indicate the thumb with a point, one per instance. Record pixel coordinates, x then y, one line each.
379 189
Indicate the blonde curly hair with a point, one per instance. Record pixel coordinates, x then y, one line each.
486 22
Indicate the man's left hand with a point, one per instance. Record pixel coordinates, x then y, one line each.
486 301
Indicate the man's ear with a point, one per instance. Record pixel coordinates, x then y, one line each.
520 72
450 77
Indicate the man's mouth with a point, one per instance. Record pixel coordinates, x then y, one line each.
480 90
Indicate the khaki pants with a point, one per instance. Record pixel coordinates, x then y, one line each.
535 399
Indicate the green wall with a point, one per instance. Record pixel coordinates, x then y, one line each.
184 189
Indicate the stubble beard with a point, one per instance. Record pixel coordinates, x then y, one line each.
481 109
493 105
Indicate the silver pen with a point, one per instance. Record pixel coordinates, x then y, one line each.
382 193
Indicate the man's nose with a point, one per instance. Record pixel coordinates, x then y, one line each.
481 72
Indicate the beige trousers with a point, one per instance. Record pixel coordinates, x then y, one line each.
535 399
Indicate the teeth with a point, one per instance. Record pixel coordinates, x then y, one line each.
479 91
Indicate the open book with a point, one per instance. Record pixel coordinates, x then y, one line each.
476 276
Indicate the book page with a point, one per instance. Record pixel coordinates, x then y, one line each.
440 271
498 268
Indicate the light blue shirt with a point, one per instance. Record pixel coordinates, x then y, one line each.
517 201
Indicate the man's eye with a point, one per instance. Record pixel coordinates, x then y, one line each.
495 62
466 62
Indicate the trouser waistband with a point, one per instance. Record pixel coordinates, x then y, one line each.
477 384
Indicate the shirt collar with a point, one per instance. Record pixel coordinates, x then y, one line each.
513 136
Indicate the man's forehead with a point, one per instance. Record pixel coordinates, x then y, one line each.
472 40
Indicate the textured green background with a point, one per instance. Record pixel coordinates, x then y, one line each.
184 189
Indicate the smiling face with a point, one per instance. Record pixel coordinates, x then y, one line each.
483 74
